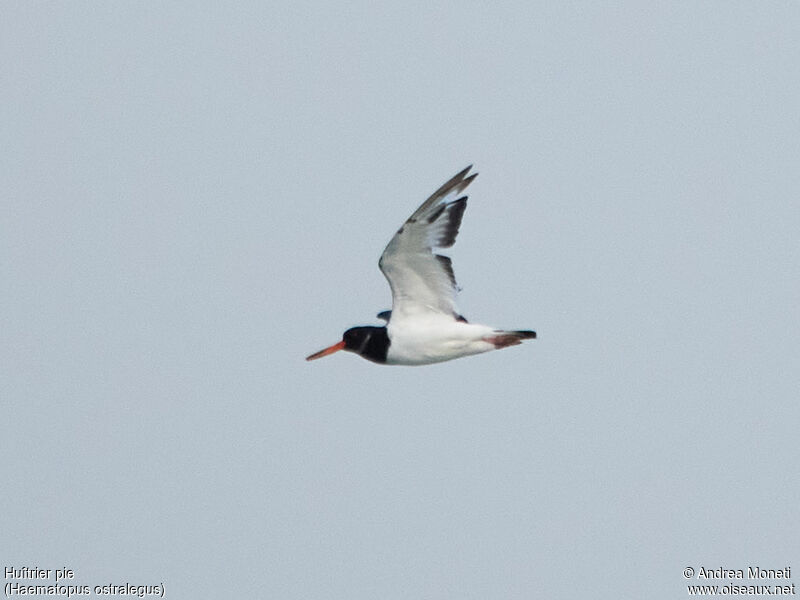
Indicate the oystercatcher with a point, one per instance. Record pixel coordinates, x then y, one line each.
424 325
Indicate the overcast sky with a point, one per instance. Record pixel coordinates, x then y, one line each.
195 197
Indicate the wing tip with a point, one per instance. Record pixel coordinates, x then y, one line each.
457 183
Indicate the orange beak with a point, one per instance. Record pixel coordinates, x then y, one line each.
329 350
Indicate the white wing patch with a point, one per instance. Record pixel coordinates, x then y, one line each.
422 281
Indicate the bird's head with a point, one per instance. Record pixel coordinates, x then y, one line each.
354 339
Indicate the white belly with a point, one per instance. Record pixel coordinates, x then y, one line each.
434 339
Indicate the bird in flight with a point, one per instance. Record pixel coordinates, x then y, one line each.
424 325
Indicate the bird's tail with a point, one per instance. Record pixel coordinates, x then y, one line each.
502 339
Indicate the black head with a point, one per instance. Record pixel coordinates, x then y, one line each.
370 342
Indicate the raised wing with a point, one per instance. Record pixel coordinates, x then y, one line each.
421 280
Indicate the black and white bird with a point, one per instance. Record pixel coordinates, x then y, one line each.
424 325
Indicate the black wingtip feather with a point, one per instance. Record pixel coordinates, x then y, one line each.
468 180
454 214
436 214
457 182
447 265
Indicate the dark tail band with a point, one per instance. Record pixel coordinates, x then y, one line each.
503 339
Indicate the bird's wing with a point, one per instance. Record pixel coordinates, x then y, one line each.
422 281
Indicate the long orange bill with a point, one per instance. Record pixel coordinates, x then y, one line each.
329 350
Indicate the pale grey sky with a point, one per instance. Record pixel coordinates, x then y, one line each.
195 196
